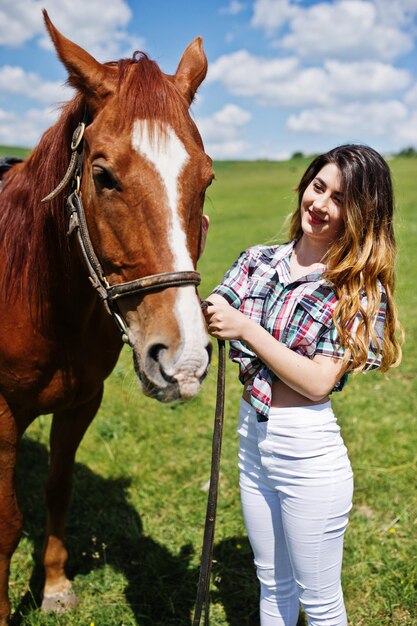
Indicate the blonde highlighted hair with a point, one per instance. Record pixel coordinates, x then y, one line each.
363 256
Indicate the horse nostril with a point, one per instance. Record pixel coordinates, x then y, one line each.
209 349
155 361
154 351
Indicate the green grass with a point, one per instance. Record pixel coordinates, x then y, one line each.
14 152
136 522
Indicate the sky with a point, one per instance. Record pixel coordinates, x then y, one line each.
284 76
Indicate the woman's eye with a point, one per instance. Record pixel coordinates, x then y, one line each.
103 178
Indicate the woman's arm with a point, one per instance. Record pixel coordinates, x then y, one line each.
313 378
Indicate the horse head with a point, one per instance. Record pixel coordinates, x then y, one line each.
144 176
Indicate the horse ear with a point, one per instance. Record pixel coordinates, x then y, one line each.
86 74
192 69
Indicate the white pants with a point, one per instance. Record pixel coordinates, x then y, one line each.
296 487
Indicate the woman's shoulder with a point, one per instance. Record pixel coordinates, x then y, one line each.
262 261
269 252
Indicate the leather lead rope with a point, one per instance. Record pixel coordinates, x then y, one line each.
203 588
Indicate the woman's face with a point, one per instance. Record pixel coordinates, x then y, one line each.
321 206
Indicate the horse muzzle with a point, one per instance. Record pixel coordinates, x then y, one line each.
167 378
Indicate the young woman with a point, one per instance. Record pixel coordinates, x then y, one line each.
301 317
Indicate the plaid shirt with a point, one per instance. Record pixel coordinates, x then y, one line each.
299 314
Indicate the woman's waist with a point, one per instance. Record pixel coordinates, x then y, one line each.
283 396
314 423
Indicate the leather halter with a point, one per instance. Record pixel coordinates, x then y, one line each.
108 293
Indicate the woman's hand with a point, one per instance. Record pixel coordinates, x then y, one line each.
223 321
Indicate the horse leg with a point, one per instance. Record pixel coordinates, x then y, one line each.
10 516
66 434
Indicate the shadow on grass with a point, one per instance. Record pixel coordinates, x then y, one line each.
103 528
236 583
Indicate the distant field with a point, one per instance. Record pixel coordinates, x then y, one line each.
136 524
14 152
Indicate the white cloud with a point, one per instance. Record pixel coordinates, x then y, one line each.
221 131
19 21
364 78
98 26
246 75
411 97
223 124
406 132
349 29
25 129
283 82
352 120
271 15
344 29
226 149
400 12
232 115
233 8
14 80
241 67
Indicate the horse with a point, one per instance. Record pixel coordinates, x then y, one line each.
120 234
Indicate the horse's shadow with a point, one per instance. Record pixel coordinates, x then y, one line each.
104 528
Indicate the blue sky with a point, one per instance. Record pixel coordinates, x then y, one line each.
284 75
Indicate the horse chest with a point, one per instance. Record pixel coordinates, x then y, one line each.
44 378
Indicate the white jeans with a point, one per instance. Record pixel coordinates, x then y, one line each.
296 487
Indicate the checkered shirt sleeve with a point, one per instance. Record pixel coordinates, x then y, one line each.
329 343
235 282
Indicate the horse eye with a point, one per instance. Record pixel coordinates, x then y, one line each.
103 178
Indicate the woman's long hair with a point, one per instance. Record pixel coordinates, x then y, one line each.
363 255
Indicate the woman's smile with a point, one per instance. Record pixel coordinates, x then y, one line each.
315 218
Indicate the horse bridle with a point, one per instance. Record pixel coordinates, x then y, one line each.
108 293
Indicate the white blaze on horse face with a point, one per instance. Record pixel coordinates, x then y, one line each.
168 156
167 153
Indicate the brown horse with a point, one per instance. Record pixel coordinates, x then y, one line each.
141 177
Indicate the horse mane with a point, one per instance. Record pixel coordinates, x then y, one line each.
33 234
37 252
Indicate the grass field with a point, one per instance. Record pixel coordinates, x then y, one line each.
13 152
136 522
